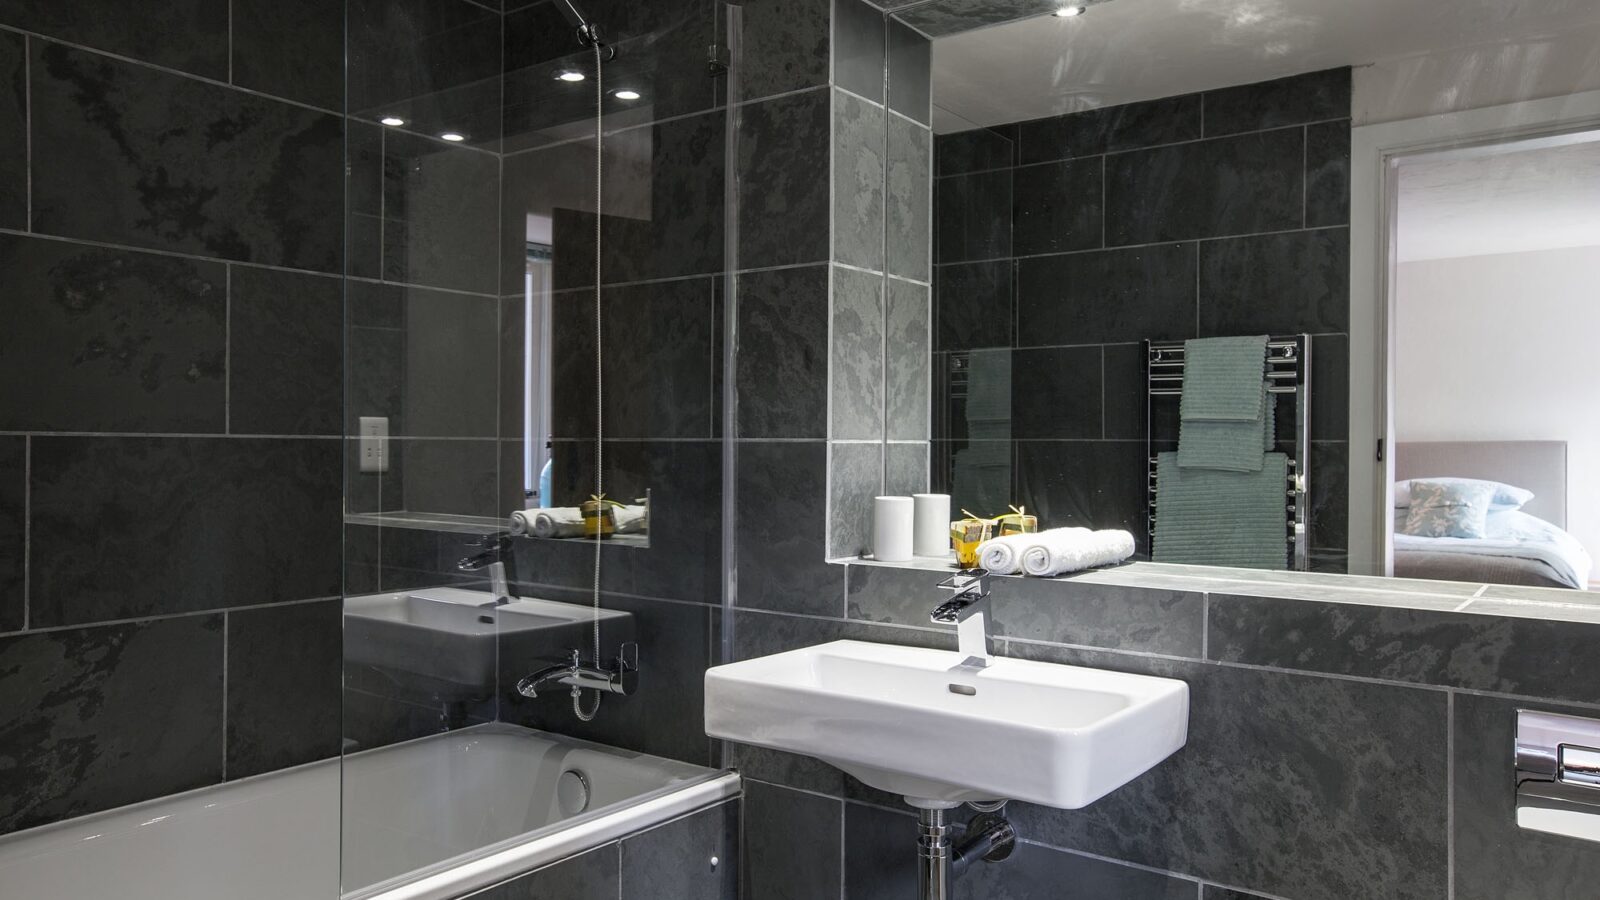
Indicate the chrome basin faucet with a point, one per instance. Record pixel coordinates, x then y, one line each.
968 610
496 547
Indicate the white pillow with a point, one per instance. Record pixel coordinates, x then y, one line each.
1505 497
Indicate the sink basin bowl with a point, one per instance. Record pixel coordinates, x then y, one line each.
915 722
457 636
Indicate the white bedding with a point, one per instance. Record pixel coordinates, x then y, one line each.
1516 535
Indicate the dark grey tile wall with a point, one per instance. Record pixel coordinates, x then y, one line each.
1335 749
171 196
670 860
1068 241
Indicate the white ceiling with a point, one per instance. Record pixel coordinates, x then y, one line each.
1540 199
1128 50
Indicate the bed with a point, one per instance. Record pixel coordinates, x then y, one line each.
1527 546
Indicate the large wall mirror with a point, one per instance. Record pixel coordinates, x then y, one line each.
1389 210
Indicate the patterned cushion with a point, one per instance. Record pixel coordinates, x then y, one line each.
1506 496
1453 509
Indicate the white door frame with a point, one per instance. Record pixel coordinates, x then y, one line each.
1375 153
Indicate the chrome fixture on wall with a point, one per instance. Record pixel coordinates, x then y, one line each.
619 676
941 858
493 556
589 31
1557 761
968 610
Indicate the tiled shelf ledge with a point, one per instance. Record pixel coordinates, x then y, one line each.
1554 604
473 525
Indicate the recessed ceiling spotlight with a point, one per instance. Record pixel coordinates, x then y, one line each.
392 121
1067 12
453 137
570 75
627 95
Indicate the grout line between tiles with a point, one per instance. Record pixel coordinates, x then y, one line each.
27 530
1450 796
227 349
230 42
225 619
162 617
27 122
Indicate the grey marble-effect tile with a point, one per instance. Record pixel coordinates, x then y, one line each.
1330 495
284 671
671 175
94 339
880 853
13 131
1056 206
784 154
974 305
286 352
782 368
1296 786
1296 100
188 35
13 532
783 530
786 47
972 216
910 73
595 875
453 477
1330 384
181 524
1494 858
1127 127
293 49
675 859
1068 612
975 150
657 361
1235 185
762 633
905 469
92 718
859 146
894 596
1061 397
1452 649
363 218
1541 594
1106 296
1093 484
1276 283
859 48
910 362
425 359
131 155
792 844
1328 174
855 477
909 246
437 65
665 716
1038 873
857 347
441 212
786 769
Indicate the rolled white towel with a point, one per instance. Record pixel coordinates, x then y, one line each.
1003 555
1073 549
567 521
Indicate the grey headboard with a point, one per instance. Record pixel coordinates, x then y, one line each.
1539 466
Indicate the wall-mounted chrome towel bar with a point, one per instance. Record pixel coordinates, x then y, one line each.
1557 763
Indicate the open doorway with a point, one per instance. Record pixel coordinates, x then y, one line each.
1494 311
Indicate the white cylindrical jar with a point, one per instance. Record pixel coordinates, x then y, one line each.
931 535
892 527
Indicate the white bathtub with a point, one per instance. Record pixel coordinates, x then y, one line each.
430 819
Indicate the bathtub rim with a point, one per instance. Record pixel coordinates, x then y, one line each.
523 854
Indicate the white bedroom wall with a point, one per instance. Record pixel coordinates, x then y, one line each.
1506 347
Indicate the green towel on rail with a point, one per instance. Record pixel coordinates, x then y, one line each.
1229 446
1222 378
1213 518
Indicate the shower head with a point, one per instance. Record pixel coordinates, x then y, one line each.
589 33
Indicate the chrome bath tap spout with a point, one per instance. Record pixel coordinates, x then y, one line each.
620 676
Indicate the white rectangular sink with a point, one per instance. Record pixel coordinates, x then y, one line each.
916 722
